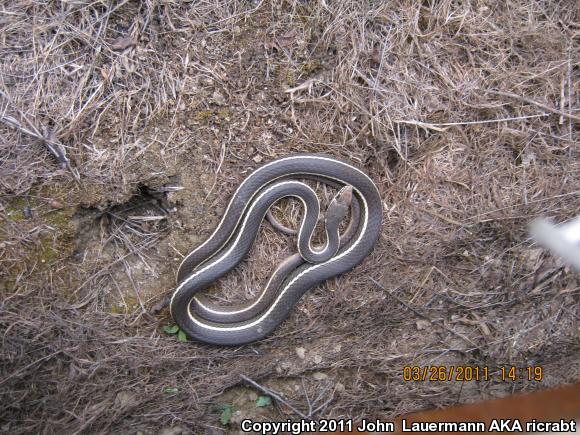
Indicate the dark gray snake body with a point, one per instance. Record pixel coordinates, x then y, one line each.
235 234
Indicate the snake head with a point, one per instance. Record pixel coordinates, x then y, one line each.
338 208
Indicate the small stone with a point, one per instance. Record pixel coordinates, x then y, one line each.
319 376
218 98
301 352
422 324
252 396
55 204
337 347
257 158
317 359
339 387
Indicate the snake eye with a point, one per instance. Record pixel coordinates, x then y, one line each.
344 195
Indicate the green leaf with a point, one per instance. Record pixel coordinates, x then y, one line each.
170 390
263 401
181 336
171 329
226 415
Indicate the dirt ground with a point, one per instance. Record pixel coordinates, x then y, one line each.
127 125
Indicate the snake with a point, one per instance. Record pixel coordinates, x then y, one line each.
233 237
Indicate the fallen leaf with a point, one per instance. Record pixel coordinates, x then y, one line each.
288 38
123 43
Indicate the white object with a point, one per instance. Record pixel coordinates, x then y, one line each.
563 240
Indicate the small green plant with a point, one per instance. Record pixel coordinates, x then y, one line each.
170 390
174 329
263 401
226 415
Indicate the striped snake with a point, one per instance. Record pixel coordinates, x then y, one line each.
237 230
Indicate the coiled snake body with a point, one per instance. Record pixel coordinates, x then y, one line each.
235 234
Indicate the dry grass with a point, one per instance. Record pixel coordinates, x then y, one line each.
125 126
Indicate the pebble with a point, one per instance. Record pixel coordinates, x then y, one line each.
301 352
319 376
422 324
55 204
